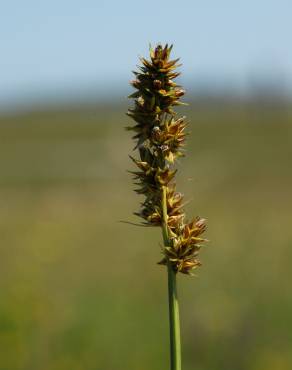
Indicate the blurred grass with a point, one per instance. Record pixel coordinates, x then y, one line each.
80 290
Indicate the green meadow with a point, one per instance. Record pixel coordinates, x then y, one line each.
81 290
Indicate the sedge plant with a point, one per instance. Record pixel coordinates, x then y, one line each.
160 136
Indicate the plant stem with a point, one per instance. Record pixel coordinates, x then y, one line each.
174 322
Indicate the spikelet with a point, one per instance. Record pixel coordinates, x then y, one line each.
160 138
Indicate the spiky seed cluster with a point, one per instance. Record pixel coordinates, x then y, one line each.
160 137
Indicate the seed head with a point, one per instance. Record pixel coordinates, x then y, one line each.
160 139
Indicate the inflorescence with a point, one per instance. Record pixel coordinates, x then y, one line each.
160 136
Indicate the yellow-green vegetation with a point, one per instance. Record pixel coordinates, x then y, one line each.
68 296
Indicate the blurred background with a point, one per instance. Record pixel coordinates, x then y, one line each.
79 289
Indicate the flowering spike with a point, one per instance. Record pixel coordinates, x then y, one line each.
160 138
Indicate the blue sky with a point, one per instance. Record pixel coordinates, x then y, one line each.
58 47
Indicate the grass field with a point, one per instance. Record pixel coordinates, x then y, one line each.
81 290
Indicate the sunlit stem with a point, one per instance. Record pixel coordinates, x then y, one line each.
174 323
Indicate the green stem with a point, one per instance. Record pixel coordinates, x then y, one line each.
174 323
